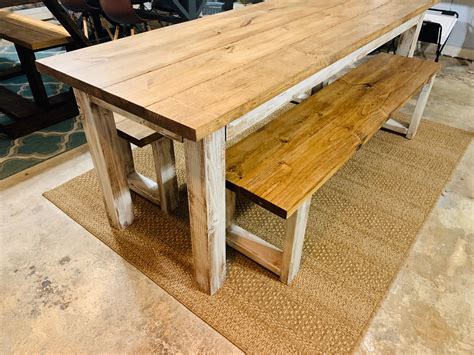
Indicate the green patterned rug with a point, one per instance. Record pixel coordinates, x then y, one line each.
22 153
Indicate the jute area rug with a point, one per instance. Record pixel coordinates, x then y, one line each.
361 226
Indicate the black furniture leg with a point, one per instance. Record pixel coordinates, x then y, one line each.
27 60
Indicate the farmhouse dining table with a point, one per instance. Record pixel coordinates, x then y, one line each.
205 81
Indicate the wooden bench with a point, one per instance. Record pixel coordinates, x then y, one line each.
284 163
164 192
30 35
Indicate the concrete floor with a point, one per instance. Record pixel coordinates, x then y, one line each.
62 290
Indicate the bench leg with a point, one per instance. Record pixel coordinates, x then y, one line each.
409 40
101 134
163 155
205 174
420 108
293 243
27 60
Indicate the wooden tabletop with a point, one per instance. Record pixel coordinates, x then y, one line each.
31 33
196 77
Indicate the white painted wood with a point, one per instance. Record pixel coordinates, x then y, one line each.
254 248
104 145
205 170
395 126
293 243
126 153
137 119
229 207
248 120
165 167
420 108
409 39
145 187
164 192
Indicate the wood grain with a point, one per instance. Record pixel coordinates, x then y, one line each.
105 149
293 243
205 174
275 45
282 164
165 167
135 132
31 33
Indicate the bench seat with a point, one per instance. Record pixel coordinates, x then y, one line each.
135 132
283 163
31 33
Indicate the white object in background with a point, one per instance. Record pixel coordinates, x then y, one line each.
447 23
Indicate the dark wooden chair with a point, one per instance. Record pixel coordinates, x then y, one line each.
90 13
124 13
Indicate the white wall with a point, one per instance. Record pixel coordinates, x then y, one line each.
461 42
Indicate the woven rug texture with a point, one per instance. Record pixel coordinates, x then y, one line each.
362 224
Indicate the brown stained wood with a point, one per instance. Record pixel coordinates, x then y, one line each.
282 164
183 41
231 63
134 132
31 33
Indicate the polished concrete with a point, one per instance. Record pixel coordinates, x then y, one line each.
62 290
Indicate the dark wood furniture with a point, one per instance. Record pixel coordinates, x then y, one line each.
8 3
30 35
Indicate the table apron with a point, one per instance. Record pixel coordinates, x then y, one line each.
260 113
136 118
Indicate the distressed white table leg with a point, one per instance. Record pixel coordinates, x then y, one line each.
165 166
293 243
101 134
409 40
127 156
205 170
229 207
420 108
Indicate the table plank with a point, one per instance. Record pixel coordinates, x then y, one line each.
103 65
158 85
195 78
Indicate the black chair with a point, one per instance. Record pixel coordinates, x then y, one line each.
432 32
89 13
123 12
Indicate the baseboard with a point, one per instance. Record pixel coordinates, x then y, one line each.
450 51
457 52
